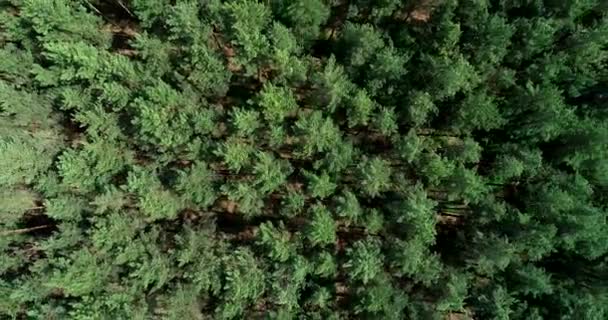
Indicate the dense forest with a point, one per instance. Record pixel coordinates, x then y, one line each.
304 159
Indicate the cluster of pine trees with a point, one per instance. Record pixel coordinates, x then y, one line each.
304 159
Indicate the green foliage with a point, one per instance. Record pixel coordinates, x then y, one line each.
387 68
386 122
207 72
244 283
361 109
375 175
420 107
321 133
362 42
184 304
57 20
246 122
348 207
21 162
30 136
69 208
270 172
303 159
149 11
365 261
540 32
245 22
479 112
434 168
417 212
496 303
455 292
325 265
235 153
533 281
464 151
198 255
16 65
92 166
374 221
494 36
307 17
153 198
450 76
184 22
154 52
409 146
381 298
277 240
321 298
246 196
412 259
320 186
338 158
157 120
276 103
80 274
197 184
84 57
322 228
546 116
334 85
507 167
293 203
284 55
15 203
287 284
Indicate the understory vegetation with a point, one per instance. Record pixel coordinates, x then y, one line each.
304 159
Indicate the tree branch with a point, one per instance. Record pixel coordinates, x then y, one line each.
21 231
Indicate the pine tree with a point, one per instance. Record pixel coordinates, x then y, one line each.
334 85
277 239
286 54
306 17
236 154
365 260
420 107
348 206
246 196
245 22
321 133
276 103
375 176
197 185
320 186
246 122
153 198
361 43
303 159
244 283
386 122
360 110
270 173
322 228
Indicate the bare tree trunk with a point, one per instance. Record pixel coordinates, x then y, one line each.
21 231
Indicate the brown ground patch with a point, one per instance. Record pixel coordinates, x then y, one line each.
420 15
422 12
450 220
458 316
418 12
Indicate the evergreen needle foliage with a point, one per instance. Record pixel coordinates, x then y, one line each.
304 159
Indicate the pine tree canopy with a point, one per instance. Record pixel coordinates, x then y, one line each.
304 159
